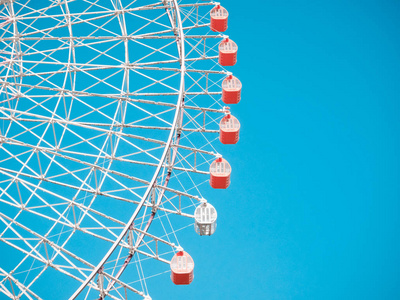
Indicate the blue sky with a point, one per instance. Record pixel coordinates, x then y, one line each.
313 208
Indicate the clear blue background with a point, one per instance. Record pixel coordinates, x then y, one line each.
313 208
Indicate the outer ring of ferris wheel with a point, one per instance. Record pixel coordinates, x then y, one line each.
181 51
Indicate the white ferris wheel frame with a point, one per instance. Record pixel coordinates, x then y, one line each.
181 50
167 159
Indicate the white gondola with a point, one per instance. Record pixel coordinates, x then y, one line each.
205 219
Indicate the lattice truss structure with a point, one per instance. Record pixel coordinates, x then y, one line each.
109 110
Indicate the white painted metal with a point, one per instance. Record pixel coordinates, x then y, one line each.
58 167
205 217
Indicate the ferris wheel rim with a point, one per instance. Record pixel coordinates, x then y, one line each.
181 51
171 155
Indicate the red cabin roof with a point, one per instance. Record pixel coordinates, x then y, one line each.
182 266
219 12
228 46
231 83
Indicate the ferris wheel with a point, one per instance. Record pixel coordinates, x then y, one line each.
113 114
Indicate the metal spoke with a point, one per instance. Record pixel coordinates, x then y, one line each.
109 111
